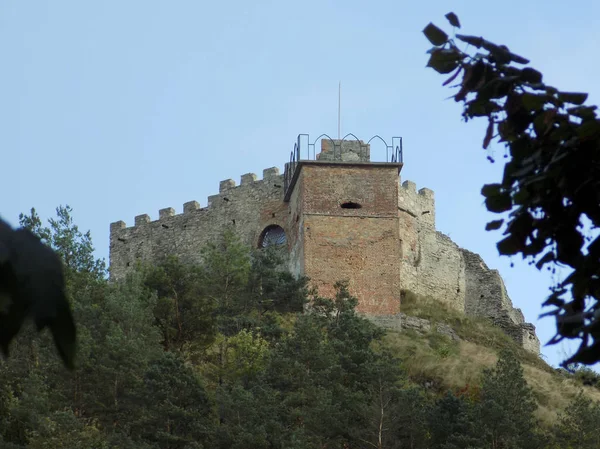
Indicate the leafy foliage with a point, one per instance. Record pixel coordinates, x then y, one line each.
551 179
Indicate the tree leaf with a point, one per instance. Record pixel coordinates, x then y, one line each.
533 102
444 61
453 19
488 134
499 203
491 190
509 246
531 75
577 98
518 59
584 112
493 225
435 35
471 40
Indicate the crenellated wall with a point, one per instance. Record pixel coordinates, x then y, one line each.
431 263
366 241
247 208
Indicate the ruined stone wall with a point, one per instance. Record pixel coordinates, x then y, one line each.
486 296
248 209
431 263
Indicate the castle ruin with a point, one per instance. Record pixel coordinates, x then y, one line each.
341 216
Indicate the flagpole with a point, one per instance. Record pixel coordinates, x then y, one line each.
339 108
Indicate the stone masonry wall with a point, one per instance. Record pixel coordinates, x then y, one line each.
486 296
431 263
247 208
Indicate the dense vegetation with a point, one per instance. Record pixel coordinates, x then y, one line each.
222 355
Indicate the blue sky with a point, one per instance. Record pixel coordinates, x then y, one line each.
119 108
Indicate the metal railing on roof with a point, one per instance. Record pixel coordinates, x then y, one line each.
304 150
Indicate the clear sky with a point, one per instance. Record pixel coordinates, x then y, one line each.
120 108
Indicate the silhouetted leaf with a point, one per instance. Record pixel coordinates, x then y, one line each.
471 40
444 61
488 134
498 203
519 59
587 356
509 246
533 102
453 19
491 190
493 225
435 35
572 97
531 75
583 111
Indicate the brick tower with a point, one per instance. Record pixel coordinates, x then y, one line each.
343 212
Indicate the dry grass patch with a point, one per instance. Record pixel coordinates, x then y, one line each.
476 330
462 366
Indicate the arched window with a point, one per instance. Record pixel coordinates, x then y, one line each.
272 235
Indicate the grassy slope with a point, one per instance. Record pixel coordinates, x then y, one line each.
440 363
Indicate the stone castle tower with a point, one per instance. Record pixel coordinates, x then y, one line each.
341 216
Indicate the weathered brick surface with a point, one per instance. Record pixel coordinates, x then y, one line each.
357 245
388 244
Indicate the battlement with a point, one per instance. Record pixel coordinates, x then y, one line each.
227 189
419 204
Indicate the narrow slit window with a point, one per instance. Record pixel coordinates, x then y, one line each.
350 205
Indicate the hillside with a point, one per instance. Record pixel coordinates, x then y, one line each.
443 363
236 352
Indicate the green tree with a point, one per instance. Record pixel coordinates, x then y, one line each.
177 413
117 345
506 410
226 270
578 425
74 248
184 313
271 286
326 374
551 178
452 424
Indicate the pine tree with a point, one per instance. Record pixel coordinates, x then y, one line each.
579 424
451 423
506 411
183 313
